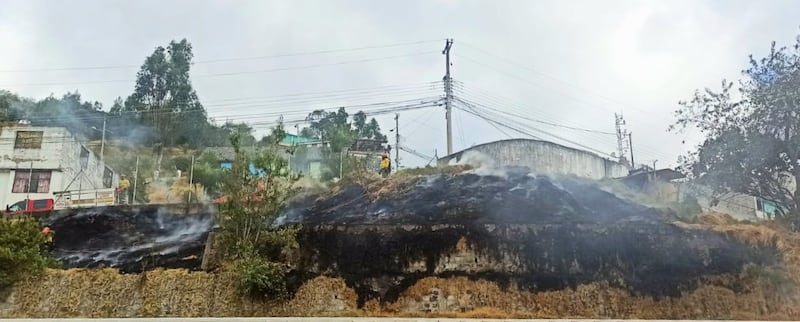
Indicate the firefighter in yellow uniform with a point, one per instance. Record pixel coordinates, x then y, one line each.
123 190
386 165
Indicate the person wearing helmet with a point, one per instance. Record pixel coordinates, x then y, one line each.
386 165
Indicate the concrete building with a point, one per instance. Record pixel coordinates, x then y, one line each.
546 158
670 186
36 162
303 154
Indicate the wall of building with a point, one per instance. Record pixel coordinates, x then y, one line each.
546 157
60 153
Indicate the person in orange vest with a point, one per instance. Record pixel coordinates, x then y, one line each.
386 165
49 236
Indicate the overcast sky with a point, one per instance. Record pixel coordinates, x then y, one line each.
570 63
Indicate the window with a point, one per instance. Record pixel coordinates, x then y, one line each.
108 177
84 157
28 140
39 204
31 181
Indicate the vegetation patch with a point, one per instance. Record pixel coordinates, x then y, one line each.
22 250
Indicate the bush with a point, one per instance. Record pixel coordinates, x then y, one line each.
21 252
182 163
256 276
688 208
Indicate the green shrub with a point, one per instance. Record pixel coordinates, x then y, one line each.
256 276
182 163
688 208
21 252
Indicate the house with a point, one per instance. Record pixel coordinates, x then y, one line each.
36 162
369 151
544 157
668 186
303 154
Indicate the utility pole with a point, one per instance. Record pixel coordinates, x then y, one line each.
103 140
448 92
630 144
191 180
397 141
135 179
622 133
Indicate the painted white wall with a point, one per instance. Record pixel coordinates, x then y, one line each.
60 153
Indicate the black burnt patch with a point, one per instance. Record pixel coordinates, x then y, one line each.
559 233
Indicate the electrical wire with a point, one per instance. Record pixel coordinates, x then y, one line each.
264 103
209 61
202 76
543 74
474 92
475 110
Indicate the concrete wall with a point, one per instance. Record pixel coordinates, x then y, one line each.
60 153
737 205
546 157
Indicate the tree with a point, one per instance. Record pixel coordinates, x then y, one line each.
246 218
164 97
6 99
21 252
340 133
752 144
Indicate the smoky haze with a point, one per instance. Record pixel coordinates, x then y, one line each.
560 61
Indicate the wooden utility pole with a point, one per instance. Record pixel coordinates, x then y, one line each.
448 95
630 145
135 179
396 141
103 141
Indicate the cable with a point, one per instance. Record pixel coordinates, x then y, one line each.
644 150
231 73
295 99
537 130
508 61
477 93
318 52
546 122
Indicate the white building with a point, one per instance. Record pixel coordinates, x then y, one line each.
36 162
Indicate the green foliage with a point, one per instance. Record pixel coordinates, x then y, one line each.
752 143
254 201
21 252
123 160
163 108
257 276
688 207
335 127
164 97
182 163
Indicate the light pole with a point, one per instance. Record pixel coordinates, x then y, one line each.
103 139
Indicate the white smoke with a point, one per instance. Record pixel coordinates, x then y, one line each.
172 234
483 165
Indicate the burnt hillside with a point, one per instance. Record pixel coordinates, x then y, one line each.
519 230
513 228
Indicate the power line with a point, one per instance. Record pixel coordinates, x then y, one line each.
209 61
474 112
593 136
537 130
546 122
484 95
538 72
231 73
282 101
